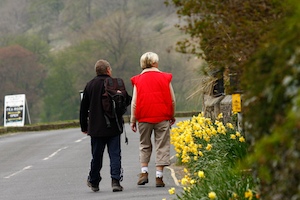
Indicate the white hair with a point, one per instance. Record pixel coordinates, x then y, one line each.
148 59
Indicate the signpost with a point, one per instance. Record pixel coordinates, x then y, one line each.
81 94
236 103
237 108
14 110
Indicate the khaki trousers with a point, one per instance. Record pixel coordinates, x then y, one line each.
161 140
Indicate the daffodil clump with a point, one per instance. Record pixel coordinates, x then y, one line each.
210 151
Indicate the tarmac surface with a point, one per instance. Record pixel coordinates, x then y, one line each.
55 164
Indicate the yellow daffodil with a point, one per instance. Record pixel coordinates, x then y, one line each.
206 138
212 195
219 129
213 131
192 136
242 139
172 190
201 174
184 181
229 125
185 159
200 153
220 116
249 194
208 147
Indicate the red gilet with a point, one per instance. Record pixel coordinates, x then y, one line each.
153 100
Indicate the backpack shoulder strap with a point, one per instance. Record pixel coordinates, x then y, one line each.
109 81
120 82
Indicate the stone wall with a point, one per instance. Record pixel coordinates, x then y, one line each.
213 106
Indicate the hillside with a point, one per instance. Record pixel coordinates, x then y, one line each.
69 36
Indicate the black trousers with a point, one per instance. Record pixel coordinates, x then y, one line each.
114 151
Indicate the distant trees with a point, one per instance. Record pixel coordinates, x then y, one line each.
225 33
21 73
120 38
28 55
44 15
60 98
45 11
13 19
68 73
31 42
67 38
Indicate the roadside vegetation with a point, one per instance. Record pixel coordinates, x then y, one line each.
211 151
269 81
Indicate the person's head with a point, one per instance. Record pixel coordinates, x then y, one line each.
149 60
103 67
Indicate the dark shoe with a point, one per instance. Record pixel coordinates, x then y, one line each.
94 187
159 182
115 184
143 179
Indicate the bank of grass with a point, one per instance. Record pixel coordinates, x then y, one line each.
40 127
210 152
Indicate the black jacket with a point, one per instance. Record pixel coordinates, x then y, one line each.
91 112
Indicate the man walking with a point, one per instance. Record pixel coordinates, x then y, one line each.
93 123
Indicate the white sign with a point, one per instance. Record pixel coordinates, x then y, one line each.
81 95
14 110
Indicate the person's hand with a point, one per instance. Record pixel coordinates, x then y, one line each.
84 132
133 126
172 121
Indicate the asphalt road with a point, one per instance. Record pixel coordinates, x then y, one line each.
50 165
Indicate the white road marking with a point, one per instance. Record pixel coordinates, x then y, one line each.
56 152
28 167
81 139
173 176
25 168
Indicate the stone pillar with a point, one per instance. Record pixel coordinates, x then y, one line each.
213 106
226 108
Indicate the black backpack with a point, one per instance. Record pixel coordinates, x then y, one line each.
115 100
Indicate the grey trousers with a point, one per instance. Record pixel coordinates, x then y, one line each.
161 140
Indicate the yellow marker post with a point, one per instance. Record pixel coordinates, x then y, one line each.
236 103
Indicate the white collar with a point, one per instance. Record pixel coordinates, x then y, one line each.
152 69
